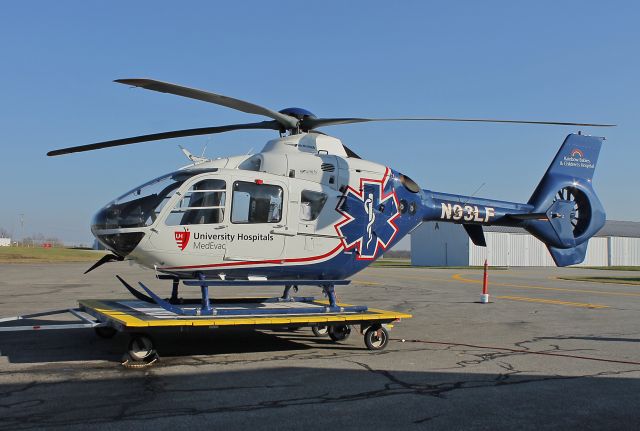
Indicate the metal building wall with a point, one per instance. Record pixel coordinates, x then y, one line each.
513 249
446 244
538 253
519 253
503 249
439 244
624 251
597 252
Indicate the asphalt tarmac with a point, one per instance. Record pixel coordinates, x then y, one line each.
544 354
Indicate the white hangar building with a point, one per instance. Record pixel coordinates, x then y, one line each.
447 244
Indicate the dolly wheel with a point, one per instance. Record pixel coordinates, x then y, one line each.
140 347
105 331
320 331
339 332
376 338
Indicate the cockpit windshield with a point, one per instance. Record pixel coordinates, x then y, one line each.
140 207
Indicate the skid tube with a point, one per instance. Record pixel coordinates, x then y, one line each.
206 309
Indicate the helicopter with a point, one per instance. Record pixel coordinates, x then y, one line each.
308 210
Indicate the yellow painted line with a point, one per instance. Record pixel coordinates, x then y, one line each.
460 278
553 301
607 280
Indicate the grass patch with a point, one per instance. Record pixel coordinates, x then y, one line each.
490 268
614 280
47 255
390 262
611 268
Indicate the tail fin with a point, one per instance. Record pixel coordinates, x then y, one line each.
566 196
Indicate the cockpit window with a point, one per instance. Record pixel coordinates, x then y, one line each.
256 203
203 203
140 207
311 204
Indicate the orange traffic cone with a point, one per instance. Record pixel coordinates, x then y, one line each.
484 298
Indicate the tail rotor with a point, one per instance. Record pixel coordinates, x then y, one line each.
581 209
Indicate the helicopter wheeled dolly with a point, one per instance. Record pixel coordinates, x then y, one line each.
142 321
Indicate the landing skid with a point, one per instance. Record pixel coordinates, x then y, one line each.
186 308
134 292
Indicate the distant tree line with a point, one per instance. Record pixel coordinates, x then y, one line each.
398 254
38 239
35 240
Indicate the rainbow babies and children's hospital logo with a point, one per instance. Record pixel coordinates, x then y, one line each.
576 159
577 153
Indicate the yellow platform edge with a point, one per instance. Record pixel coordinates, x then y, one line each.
102 311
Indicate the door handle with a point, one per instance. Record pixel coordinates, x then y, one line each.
282 230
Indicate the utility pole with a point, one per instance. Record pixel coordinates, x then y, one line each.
22 228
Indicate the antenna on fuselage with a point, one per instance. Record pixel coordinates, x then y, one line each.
474 193
462 204
204 148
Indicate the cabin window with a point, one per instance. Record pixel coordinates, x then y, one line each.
253 163
203 203
311 204
256 203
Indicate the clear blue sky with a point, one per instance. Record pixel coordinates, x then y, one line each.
544 60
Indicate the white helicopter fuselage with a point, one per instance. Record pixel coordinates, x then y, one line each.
291 209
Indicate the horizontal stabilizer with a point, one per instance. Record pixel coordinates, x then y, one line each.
476 234
569 256
528 216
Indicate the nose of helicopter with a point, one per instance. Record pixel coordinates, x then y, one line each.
121 224
118 228
121 243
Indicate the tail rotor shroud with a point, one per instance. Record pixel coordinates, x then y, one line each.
581 209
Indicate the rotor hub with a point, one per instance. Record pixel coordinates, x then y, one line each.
299 113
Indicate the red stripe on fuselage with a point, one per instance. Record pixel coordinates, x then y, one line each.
258 262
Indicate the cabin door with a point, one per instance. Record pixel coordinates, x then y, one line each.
257 220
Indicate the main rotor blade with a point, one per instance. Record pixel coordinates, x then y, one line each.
273 125
312 123
164 87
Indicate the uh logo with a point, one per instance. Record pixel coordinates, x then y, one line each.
368 226
182 238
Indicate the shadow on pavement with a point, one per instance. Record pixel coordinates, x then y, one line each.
268 395
85 345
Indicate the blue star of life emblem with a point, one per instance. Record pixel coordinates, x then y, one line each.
368 226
